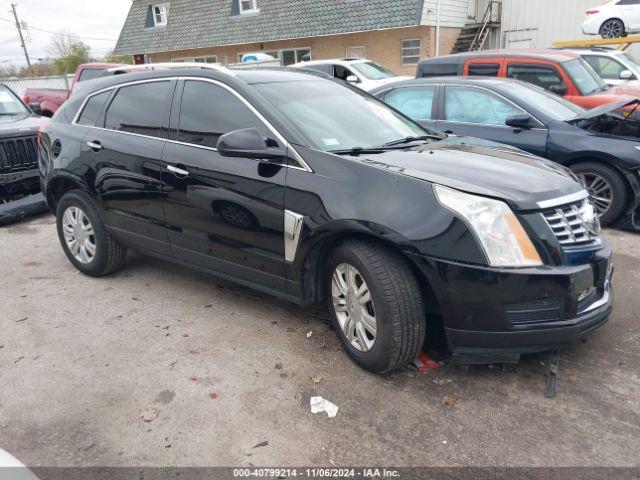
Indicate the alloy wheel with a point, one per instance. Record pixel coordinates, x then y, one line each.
79 235
612 29
600 191
354 307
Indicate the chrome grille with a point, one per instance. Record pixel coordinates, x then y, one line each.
18 154
575 224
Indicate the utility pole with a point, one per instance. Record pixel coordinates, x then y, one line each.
24 45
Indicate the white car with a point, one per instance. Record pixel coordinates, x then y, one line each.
363 73
613 66
613 19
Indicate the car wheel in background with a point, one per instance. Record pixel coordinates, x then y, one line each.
376 306
84 238
606 187
612 28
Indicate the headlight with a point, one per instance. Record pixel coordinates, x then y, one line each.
499 232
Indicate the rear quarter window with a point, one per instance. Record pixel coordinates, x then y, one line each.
92 109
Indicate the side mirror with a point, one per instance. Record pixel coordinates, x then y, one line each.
352 79
519 120
626 75
35 108
247 143
559 89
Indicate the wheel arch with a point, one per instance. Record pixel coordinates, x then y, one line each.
315 260
610 162
57 187
624 25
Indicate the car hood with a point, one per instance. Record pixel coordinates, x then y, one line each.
604 109
520 179
11 127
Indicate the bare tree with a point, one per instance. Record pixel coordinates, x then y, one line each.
61 45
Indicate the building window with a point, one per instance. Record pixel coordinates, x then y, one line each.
356 52
411 51
160 15
207 59
248 6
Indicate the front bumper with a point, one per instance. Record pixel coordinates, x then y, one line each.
20 182
494 315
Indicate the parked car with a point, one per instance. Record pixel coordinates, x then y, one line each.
46 101
362 73
616 18
399 231
599 145
18 154
561 72
615 67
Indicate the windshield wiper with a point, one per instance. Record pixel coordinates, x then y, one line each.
8 114
357 151
402 141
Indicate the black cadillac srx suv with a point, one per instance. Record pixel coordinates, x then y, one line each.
18 156
312 190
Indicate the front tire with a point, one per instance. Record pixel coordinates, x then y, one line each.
376 306
607 188
84 238
612 28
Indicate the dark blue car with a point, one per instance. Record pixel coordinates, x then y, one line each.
602 146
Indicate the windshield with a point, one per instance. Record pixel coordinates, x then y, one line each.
583 76
336 117
630 61
372 71
549 104
10 105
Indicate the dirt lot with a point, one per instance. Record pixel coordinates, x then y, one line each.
81 359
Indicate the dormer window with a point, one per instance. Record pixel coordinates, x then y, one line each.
249 6
159 15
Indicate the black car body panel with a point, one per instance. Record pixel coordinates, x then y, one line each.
563 142
18 154
168 197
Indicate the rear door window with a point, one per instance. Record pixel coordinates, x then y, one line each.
140 109
414 102
474 105
92 109
209 111
544 76
484 69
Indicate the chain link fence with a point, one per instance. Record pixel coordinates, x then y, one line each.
20 85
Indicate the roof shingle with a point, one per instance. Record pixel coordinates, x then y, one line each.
208 23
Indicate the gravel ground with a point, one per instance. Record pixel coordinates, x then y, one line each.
223 375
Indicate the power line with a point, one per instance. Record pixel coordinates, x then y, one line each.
31 27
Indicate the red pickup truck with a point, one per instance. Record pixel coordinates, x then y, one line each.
45 101
561 72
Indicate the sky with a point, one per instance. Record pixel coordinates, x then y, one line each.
95 22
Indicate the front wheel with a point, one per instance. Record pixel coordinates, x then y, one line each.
376 306
607 189
612 28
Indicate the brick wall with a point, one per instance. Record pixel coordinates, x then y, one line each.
382 46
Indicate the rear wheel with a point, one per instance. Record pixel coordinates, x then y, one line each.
606 187
612 28
84 238
376 306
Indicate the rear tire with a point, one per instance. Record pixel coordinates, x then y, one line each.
605 185
84 238
396 306
612 28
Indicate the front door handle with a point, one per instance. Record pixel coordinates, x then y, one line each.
95 145
178 171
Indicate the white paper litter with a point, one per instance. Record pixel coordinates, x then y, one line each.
319 404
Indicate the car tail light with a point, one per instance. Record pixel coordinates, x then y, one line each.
26 99
592 12
40 128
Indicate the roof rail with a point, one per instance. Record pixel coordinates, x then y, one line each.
168 66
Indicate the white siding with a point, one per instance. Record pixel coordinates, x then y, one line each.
454 13
539 23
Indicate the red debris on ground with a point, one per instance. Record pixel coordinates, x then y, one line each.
424 363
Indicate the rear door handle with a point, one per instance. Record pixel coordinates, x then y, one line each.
178 171
95 145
